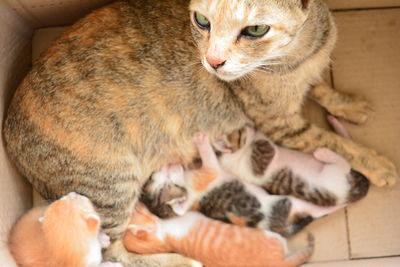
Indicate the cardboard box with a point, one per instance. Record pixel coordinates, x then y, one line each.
366 61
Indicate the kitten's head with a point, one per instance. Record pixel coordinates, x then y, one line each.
71 227
236 37
142 235
165 193
236 140
75 209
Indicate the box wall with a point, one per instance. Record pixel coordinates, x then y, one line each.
15 59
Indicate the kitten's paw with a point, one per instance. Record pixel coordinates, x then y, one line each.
200 138
104 239
354 109
326 155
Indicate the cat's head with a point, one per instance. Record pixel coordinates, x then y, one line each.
237 37
142 235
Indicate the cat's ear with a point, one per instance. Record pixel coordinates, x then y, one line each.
305 4
140 231
180 205
92 221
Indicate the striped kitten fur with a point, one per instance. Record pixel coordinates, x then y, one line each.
122 91
323 178
219 195
213 243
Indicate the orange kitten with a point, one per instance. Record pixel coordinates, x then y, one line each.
211 242
63 234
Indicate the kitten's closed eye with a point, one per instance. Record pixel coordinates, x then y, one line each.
158 198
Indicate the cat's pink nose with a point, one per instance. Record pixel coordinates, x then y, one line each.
215 63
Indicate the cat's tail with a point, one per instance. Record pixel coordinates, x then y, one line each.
301 256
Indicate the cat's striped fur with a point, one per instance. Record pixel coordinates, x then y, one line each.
121 93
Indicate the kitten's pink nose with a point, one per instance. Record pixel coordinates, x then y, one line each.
215 62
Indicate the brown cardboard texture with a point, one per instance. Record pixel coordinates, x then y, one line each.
366 61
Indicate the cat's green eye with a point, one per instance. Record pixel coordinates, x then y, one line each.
255 31
201 21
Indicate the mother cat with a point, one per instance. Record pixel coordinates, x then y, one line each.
121 93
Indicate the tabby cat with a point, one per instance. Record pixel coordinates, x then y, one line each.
120 94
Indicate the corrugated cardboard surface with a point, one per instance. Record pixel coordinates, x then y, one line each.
367 61
15 192
330 235
45 13
383 262
355 4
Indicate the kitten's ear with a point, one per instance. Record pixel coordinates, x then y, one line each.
92 221
222 144
139 231
306 3
179 205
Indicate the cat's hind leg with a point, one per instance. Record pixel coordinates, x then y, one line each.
296 133
350 107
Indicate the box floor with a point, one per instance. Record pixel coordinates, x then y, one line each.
366 61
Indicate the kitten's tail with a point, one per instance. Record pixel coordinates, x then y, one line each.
298 223
302 255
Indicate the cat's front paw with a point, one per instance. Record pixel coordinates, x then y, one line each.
388 176
355 109
379 170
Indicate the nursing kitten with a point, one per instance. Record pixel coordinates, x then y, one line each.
219 195
164 188
65 233
121 93
211 242
323 178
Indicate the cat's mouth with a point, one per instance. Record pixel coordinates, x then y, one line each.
221 73
227 76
